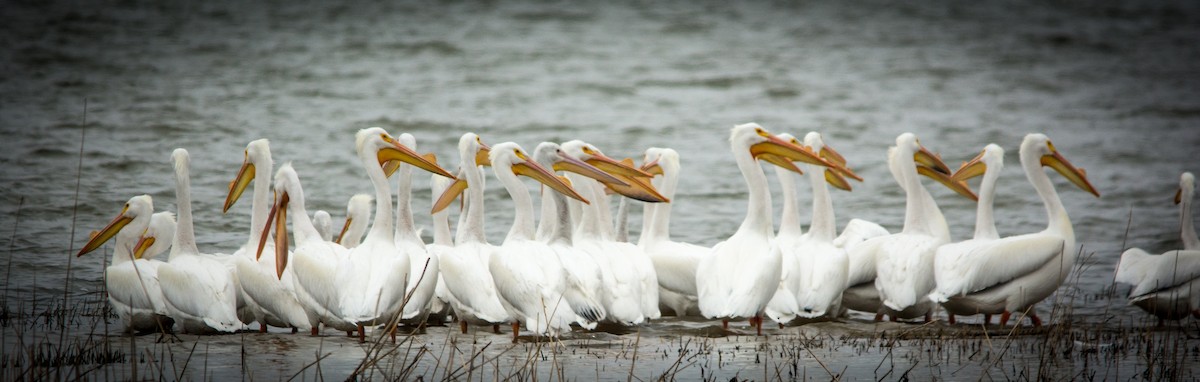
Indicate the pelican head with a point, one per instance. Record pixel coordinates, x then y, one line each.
470 145
135 215
637 185
551 155
287 182
162 225
375 143
837 178
358 212
991 158
1187 187
660 160
1038 147
509 157
931 165
257 155
760 142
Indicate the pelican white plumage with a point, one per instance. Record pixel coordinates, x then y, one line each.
358 214
464 268
270 299
324 225
674 262
1014 273
528 275
951 260
376 274
822 266
199 289
741 274
1167 285
423 266
631 283
131 280
904 260
313 269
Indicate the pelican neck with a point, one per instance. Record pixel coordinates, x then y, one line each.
657 222
789 220
921 213
185 235
1188 230
758 213
1056 215
471 230
382 227
260 205
824 223
522 227
405 228
985 221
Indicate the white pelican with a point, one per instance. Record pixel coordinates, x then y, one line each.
271 300
904 261
313 269
782 307
464 268
822 266
674 262
443 241
376 274
952 259
741 274
198 288
1167 285
1014 273
132 278
527 273
584 275
423 266
630 281
324 225
358 214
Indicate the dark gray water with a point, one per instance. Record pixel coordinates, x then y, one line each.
1115 85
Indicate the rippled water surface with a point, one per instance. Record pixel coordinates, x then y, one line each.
1116 86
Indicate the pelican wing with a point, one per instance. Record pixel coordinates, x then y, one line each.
202 289
858 231
675 264
584 283
1011 257
138 289
1151 273
470 284
904 269
261 285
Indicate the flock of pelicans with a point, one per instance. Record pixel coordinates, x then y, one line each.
576 268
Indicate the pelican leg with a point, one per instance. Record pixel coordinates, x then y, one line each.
362 334
893 318
349 333
392 332
725 323
1004 318
878 317
987 319
295 330
495 328
314 332
516 330
1037 321
462 325
928 316
758 324
262 328
950 319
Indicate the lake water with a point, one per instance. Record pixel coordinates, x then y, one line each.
1115 85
